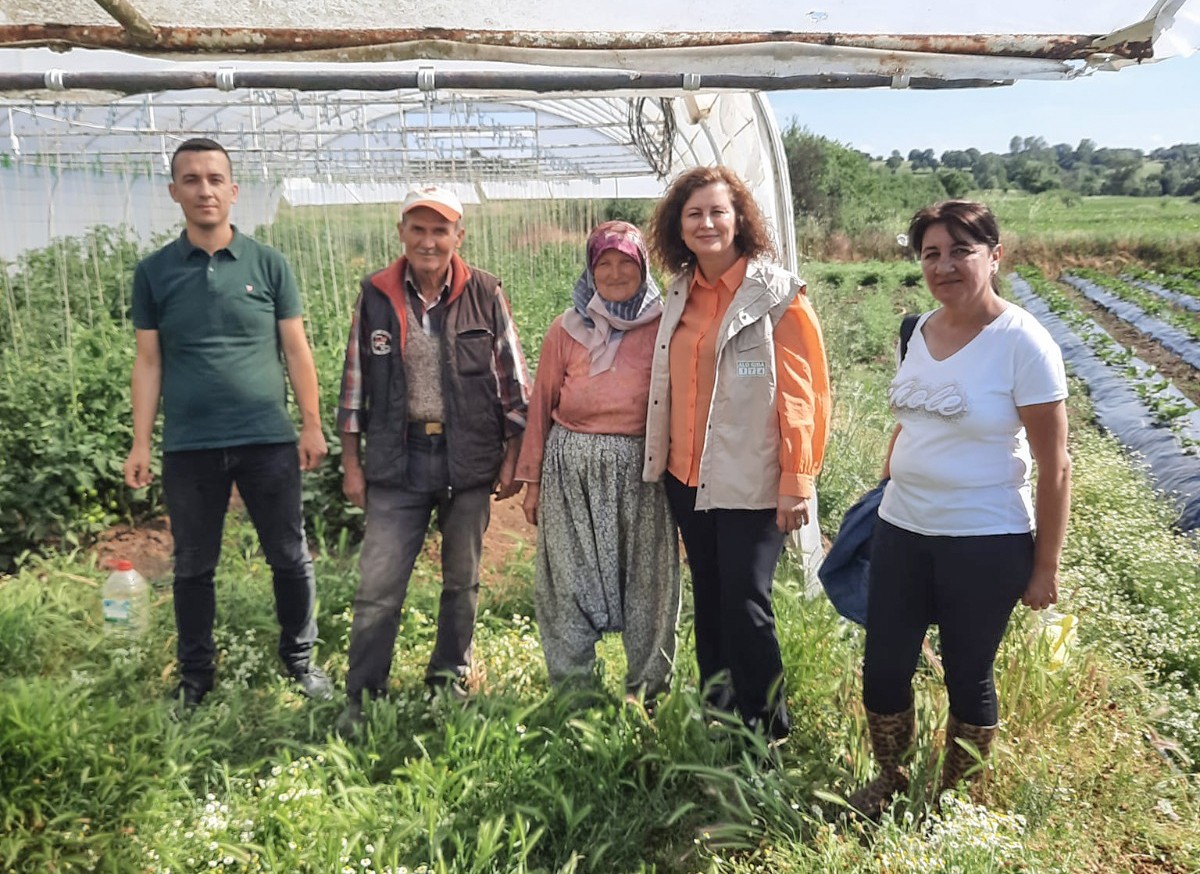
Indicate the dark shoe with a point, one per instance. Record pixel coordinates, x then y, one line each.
967 750
313 682
350 721
718 699
891 740
190 691
451 688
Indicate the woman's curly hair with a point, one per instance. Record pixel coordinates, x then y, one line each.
665 235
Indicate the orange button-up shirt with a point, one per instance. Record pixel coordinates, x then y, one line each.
802 397
693 361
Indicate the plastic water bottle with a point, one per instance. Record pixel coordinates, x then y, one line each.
126 598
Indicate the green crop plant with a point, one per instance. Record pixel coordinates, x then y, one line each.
1095 768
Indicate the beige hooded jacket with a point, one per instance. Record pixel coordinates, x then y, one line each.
740 462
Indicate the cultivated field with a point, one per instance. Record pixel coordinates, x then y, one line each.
1096 764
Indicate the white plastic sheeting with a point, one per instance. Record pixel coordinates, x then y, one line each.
618 30
348 147
942 40
351 146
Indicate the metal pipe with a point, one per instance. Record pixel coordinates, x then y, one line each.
137 82
784 207
141 32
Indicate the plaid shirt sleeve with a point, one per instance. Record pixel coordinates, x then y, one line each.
510 369
351 417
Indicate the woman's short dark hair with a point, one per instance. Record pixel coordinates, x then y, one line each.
665 236
966 220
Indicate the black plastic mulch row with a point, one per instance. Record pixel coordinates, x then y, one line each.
1174 340
1122 413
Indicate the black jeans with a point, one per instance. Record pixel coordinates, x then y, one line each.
732 555
197 486
968 587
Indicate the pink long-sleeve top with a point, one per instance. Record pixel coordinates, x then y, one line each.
612 402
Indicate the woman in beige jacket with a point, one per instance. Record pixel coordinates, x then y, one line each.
736 427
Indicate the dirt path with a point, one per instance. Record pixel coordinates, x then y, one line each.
149 545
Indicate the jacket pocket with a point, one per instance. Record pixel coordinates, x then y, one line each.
750 337
474 352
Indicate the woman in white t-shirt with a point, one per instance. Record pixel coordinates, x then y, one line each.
978 397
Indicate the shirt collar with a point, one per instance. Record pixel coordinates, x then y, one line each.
410 282
731 280
236 247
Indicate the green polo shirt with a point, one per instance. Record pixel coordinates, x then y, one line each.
223 381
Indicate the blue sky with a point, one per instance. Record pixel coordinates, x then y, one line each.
1139 107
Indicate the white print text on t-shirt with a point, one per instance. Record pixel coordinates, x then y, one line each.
946 401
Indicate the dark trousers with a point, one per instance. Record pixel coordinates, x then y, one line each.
397 522
197 487
968 587
732 555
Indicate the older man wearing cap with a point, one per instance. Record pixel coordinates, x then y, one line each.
435 382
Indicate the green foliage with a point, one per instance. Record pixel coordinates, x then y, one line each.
1182 280
1033 166
636 212
850 205
1186 320
74 282
65 420
956 182
837 191
64 431
96 772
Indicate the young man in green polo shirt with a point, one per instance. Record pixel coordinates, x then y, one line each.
214 310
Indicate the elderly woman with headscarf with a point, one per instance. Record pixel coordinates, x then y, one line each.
607 553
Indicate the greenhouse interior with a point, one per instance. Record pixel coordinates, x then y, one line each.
543 120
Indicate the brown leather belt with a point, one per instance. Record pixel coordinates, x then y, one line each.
430 428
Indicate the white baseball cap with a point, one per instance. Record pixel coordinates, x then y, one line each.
445 203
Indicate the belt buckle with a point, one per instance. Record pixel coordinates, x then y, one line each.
432 428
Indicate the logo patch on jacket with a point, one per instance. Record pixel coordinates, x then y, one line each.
752 368
381 342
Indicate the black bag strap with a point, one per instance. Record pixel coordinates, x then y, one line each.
907 325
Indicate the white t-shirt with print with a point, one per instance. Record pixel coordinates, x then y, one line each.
961 462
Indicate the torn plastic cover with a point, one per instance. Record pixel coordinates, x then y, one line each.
1122 413
1174 340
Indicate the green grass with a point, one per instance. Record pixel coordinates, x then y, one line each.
1105 217
1095 766
1056 228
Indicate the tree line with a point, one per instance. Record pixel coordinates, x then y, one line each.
837 188
1031 164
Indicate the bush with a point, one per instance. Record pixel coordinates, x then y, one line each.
65 429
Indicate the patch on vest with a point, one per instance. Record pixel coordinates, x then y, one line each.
381 342
752 368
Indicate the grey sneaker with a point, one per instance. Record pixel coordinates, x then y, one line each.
313 682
